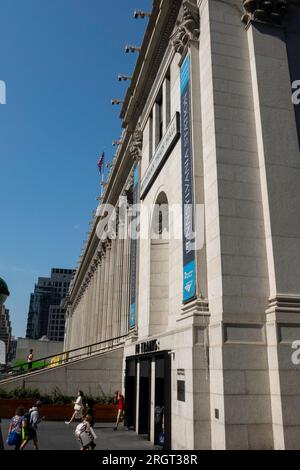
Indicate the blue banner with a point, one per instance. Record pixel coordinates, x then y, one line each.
133 253
189 259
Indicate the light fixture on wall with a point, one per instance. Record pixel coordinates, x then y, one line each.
139 14
130 48
115 102
124 78
117 142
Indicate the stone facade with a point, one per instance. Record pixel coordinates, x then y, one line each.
220 363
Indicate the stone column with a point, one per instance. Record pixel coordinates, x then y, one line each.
111 287
125 288
279 165
238 283
95 295
194 316
89 325
101 297
156 132
104 335
166 104
98 296
117 290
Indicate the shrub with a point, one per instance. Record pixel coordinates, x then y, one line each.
56 397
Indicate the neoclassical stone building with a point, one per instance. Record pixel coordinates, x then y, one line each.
210 127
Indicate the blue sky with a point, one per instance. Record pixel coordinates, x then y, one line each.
60 60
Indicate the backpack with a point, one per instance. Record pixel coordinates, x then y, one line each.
28 423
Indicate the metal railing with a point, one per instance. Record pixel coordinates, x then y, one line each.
62 358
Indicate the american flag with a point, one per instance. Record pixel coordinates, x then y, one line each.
101 164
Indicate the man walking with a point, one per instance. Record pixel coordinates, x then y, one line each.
32 421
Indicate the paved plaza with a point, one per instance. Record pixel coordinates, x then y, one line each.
59 436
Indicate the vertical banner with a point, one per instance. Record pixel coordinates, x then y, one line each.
189 258
133 253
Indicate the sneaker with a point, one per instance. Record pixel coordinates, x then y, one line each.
67 422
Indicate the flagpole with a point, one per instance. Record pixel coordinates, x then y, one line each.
102 181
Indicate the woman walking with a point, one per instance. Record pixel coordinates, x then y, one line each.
121 409
15 429
78 408
85 434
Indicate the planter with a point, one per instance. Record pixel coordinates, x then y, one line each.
103 413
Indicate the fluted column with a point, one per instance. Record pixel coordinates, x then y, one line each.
118 287
105 293
101 297
110 289
125 288
97 297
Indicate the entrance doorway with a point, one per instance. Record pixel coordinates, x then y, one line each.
130 393
139 415
162 420
145 397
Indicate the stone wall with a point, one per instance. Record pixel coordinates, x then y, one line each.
100 375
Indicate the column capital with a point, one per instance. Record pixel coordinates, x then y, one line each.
136 146
270 12
188 28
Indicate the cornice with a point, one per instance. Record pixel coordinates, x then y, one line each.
151 61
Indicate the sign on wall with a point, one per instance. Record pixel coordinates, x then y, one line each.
133 254
189 259
162 152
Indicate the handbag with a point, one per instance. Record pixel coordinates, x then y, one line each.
94 435
12 438
85 438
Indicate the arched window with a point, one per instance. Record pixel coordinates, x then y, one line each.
160 219
159 267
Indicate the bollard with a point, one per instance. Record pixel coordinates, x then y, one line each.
1 438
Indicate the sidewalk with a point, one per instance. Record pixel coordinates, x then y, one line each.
59 436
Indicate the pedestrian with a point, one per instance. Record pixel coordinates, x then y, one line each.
16 426
89 410
121 409
30 360
32 420
1 438
159 424
78 408
85 434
